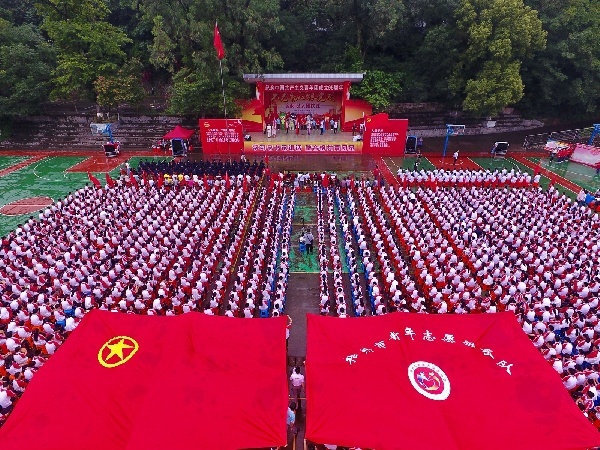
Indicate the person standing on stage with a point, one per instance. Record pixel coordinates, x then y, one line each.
455 157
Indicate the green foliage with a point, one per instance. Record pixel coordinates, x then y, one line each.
195 94
26 61
86 44
477 55
564 79
19 12
494 87
123 87
161 51
496 36
378 88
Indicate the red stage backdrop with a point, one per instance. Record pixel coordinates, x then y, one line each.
124 381
416 381
221 136
355 112
384 136
329 100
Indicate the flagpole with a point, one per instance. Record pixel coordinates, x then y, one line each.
224 103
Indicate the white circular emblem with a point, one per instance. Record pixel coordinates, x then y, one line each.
429 380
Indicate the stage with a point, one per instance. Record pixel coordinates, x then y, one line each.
295 101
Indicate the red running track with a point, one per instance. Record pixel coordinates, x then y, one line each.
386 173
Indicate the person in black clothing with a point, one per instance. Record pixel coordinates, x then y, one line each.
200 168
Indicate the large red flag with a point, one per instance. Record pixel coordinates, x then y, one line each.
218 43
94 180
124 381
436 382
132 179
109 181
227 181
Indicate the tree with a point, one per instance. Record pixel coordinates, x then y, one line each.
19 12
194 93
495 36
86 44
123 87
161 51
494 87
26 61
563 80
183 47
378 88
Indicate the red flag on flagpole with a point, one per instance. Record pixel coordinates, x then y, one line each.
218 43
109 181
94 180
160 180
205 181
227 181
132 180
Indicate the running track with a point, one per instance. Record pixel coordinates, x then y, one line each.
557 179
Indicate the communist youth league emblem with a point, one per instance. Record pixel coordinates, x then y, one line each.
429 380
117 350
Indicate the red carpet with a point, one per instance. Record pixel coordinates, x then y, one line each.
388 175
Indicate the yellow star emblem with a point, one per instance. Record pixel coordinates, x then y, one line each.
117 350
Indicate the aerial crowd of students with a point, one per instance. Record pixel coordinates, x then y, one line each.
460 242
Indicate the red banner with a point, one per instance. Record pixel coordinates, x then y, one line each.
220 136
294 149
451 381
124 381
586 154
297 87
384 136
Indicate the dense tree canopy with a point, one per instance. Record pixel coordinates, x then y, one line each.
478 56
26 61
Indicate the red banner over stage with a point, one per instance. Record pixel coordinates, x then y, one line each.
303 148
384 136
436 382
220 136
125 381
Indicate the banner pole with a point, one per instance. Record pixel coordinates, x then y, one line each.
225 108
